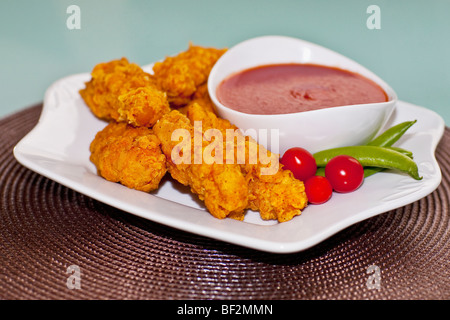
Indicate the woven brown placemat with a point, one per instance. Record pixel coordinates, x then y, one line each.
47 228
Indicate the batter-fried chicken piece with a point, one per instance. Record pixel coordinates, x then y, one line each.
129 155
221 186
277 195
122 91
181 75
143 106
201 96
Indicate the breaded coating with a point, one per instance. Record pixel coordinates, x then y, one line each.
146 138
143 106
277 195
196 111
221 186
201 96
180 76
123 92
129 155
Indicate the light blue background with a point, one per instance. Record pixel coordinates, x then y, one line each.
411 51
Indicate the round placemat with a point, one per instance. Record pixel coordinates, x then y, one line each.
58 244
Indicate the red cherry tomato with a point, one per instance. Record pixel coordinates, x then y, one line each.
345 173
300 162
318 190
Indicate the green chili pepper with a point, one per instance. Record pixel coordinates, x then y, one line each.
391 135
372 156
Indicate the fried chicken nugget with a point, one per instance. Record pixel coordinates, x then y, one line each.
221 186
129 155
201 96
279 196
123 92
276 196
180 76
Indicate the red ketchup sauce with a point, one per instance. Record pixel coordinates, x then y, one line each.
290 88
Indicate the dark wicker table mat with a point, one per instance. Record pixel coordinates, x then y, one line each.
46 228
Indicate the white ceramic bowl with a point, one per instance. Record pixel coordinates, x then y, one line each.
313 130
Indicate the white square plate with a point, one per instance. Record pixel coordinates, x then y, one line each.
58 148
